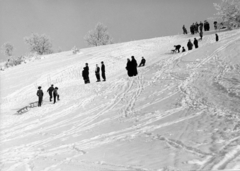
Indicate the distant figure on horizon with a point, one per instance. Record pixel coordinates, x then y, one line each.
55 95
142 63
217 38
195 42
50 91
129 68
201 35
215 25
134 66
189 45
201 27
177 48
184 30
196 27
40 96
103 71
192 28
97 73
183 49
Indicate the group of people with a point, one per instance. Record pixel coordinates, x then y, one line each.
132 66
85 73
53 93
197 28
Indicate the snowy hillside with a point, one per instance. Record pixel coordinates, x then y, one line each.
181 113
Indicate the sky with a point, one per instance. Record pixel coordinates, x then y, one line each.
66 22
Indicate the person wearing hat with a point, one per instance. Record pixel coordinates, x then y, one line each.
40 96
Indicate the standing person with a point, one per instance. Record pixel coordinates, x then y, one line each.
189 45
184 30
183 49
208 26
201 35
195 42
97 73
217 38
196 27
87 73
215 25
205 25
84 75
103 71
129 68
50 91
142 63
192 29
201 27
134 66
40 96
55 95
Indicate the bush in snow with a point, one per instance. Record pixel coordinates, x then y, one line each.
98 36
39 43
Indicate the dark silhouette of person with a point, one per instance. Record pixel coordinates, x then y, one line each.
196 27
201 35
87 73
177 48
134 66
192 29
208 26
201 27
215 25
55 95
103 71
216 36
40 96
183 49
184 30
195 42
129 68
189 45
142 63
50 91
97 73
84 75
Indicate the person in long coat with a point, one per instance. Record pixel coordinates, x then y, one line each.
103 71
134 66
195 42
184 30
50 91
84 75
129 68
189 45
217 38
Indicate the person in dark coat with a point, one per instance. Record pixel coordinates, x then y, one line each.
55 95
84 75
50 91
97 73
87 73
134 66
201 27
201 35
129 68
192 29
142 63
183 49
195 42
215 25
177 48
196 27
217 38
103 71
208 26
40 96
184 30
189 45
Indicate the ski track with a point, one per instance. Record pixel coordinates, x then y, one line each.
126 94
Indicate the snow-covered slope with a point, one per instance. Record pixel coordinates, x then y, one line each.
182 112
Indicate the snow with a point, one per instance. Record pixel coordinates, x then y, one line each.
180 113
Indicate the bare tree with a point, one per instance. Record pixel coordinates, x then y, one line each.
7 49
229 13
98 36
39 43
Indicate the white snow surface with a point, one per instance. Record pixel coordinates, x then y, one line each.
181 113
